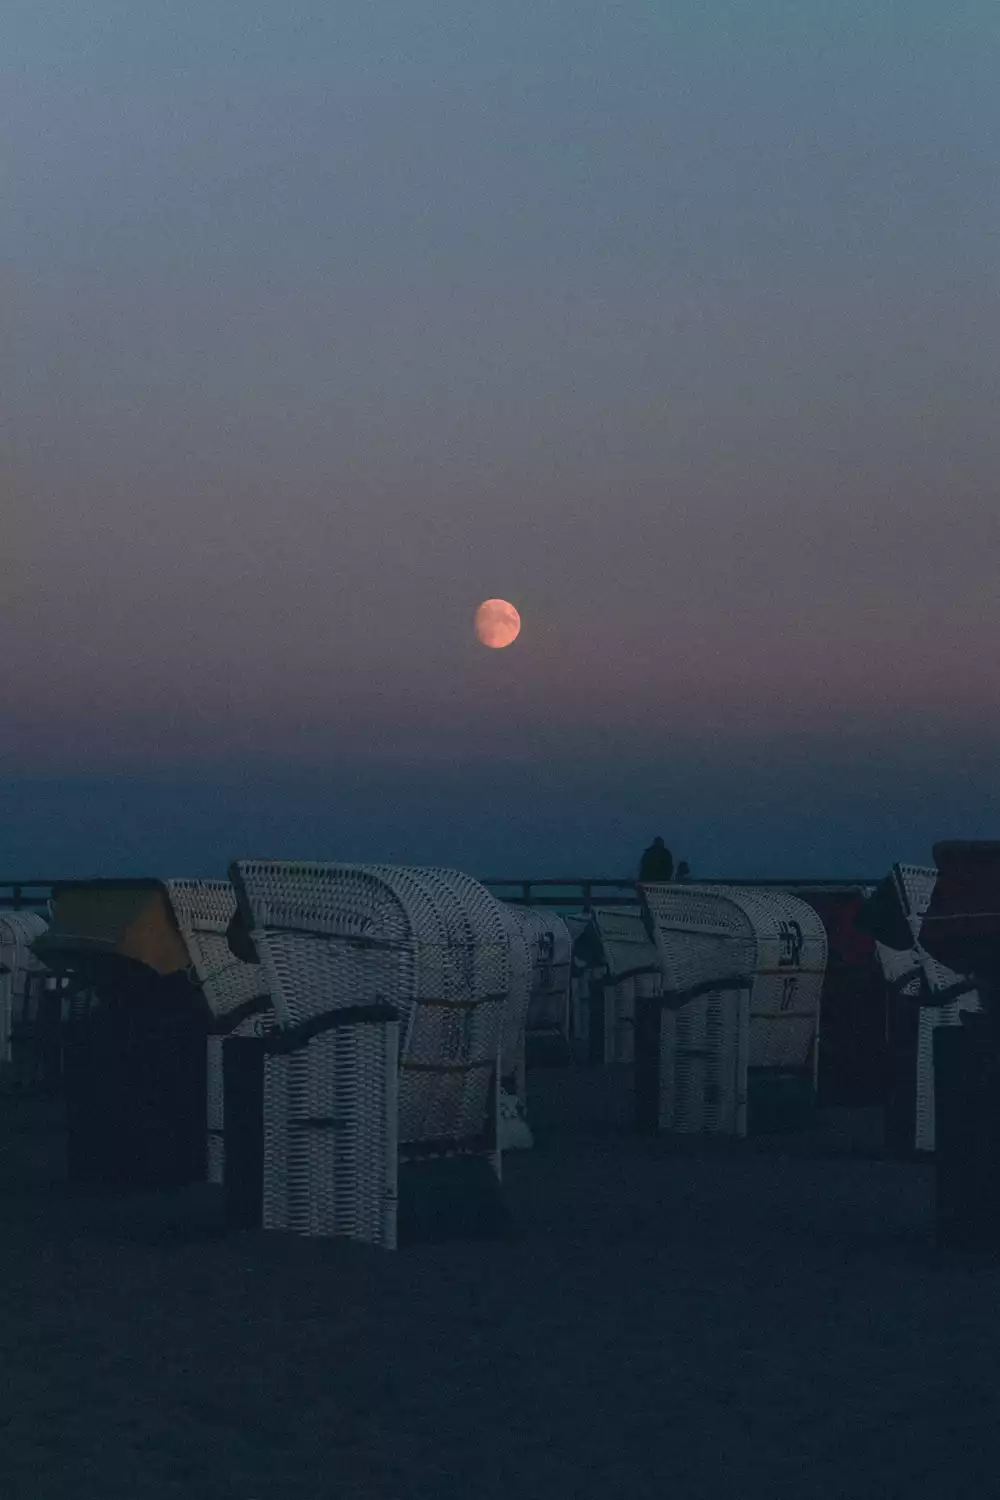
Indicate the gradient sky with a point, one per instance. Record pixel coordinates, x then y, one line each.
676 324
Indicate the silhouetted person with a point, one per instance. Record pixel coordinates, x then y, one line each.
657 864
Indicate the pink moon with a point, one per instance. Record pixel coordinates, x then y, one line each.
497 623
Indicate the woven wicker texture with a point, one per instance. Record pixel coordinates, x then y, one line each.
331 1146
702 935
468 978
788 985
915 885
18 929
624 942
429 943
203 910
323 1116
709 1046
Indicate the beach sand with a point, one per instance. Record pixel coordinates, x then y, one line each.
747 1320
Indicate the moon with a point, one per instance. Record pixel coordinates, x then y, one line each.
497 623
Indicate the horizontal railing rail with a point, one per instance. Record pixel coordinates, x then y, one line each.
579 892
25 893
586 893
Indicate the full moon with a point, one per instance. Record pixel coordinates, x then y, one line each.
497 623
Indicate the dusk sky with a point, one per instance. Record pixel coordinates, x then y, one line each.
677 325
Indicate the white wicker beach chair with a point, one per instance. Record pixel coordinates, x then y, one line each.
430 945
18 968
550 948
915 973
743 974
203 910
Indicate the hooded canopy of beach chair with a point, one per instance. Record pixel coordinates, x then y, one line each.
429 944
100 927
203 911
621 942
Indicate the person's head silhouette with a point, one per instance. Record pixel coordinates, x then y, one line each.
657 863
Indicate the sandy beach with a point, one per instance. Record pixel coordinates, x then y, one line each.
737 1320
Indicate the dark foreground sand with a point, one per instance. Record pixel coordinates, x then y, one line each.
747 1321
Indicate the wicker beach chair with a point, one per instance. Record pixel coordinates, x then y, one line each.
550 948
19 967
623 968
743 974
431 948
203 910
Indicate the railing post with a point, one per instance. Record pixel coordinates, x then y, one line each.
526 892
587 888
